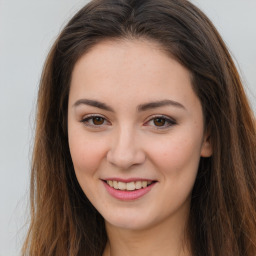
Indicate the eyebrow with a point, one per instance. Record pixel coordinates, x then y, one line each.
140 108
93 103
158 104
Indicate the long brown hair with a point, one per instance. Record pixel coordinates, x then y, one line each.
223 207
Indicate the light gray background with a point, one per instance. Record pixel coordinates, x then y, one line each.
27 29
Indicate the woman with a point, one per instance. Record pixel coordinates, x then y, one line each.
145 141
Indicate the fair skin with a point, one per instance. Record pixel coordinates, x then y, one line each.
135 121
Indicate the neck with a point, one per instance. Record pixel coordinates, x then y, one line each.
164 239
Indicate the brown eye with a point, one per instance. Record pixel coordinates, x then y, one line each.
159 121
94 121
98 120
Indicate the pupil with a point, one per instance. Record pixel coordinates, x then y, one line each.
159 121
98 120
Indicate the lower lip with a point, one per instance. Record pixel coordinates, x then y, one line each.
126 195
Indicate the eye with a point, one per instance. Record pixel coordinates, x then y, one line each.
161 122
94 121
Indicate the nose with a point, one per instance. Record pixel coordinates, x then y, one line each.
125 149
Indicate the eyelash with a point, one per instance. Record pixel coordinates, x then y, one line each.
168 122
86 120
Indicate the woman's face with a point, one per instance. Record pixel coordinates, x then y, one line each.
136 133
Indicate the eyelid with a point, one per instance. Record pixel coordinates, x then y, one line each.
171 121
88 117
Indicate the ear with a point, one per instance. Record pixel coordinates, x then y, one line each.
206 149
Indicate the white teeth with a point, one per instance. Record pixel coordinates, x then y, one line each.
121 185
115 184
138 185
128 186
144 184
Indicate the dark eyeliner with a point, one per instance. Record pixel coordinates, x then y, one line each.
89 117
170 122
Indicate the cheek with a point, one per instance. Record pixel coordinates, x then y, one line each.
177 155
86 153
177 162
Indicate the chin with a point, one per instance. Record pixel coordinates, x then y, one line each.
129 220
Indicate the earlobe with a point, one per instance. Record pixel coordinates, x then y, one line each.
206 150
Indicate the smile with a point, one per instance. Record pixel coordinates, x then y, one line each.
128 190
130 186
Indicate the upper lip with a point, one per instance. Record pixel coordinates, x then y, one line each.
128 180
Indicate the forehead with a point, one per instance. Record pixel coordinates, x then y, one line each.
122 55
130 69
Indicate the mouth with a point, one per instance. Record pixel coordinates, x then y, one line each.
129 186
128 190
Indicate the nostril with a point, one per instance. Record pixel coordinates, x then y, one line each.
125 159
